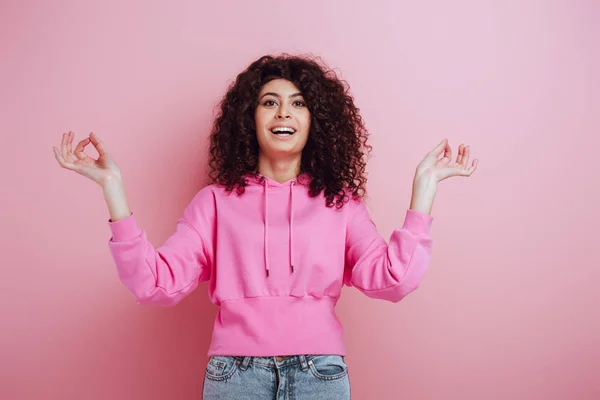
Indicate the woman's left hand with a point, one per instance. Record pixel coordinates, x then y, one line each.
434 169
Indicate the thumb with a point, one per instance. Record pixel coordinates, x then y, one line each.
98 144
439 149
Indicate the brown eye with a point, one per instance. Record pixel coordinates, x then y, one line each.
269 103
300 103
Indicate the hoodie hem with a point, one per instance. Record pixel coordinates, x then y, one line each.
273 326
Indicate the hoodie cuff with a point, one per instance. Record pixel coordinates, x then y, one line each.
124 229
417 222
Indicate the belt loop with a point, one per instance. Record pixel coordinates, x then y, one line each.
303 363
245 362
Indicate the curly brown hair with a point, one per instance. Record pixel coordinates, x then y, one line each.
336 150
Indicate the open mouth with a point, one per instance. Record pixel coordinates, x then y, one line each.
283 131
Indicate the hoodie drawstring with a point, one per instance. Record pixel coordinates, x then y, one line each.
292 184
291 224
266 224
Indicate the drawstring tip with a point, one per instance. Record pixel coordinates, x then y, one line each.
292 269
267 273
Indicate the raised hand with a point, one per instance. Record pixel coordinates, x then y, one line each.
436 169
102 170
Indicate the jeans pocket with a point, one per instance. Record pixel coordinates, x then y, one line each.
220 368
328 366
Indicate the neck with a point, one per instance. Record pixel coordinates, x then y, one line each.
279 170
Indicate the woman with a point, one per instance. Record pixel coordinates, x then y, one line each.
278 233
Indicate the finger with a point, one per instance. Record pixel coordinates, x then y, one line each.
469 172
56 153
70 142
63 145
447 154
80 149
61 161
98 144
473 166
465 160
459 156
439 148
454 163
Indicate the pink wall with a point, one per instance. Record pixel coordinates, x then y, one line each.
510 306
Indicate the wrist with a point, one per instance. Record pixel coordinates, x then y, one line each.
112 184
423 194
424 184
116 200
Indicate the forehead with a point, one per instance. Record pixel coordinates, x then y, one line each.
281 86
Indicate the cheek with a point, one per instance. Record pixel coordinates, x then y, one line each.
257 119
261 117
305 119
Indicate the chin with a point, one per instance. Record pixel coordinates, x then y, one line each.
288 147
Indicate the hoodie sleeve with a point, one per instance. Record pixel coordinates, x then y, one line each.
382 271
165 275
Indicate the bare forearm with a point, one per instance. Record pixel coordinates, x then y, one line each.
116 199
423 194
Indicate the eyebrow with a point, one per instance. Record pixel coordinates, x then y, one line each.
278 96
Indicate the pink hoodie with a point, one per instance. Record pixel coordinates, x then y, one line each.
276 260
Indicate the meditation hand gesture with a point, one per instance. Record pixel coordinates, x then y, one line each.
436 169
102 170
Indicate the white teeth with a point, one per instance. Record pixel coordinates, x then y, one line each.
282 129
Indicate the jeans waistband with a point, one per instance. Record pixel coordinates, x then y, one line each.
303 360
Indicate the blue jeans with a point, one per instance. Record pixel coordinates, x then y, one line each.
301 377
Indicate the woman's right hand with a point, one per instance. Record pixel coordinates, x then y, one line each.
103 171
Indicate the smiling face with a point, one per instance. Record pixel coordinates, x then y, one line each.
282 120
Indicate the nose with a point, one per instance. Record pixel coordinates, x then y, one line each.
283 114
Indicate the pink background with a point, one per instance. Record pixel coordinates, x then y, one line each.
510 308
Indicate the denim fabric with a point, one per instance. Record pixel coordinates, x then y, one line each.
301 377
